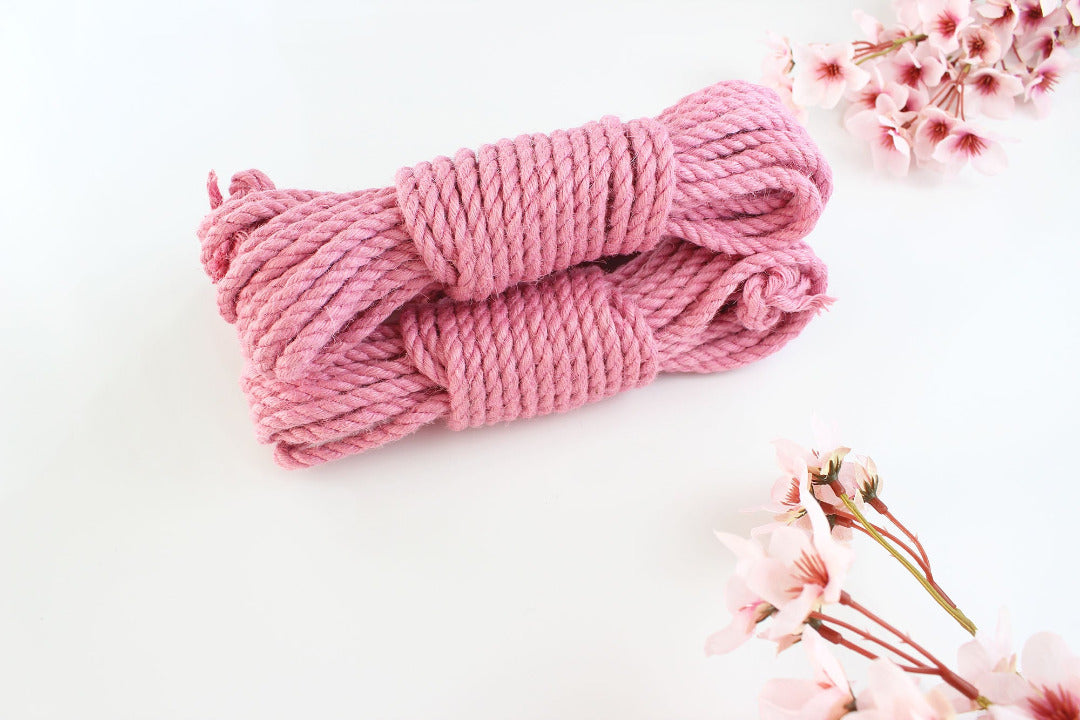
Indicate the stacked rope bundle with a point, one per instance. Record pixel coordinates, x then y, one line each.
529 277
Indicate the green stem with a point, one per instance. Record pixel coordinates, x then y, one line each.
895 44
955 612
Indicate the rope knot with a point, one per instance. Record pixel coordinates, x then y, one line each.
767 297
534 349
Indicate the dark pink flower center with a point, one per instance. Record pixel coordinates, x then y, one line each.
887 137
946 24
1055 704
987 84
1031 16
830 71
911 74
1007 15
976 46
793 495
971 144
810 570
1048 81
938 130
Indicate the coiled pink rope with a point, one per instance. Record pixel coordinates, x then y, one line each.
531 276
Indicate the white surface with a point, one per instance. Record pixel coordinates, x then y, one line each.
154 563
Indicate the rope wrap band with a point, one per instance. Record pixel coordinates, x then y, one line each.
520 209
534 349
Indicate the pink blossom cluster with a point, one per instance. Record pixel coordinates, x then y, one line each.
914 89
788 588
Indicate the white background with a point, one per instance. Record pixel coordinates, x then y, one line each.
155 563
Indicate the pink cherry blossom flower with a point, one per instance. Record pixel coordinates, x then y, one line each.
980 45
777 63
747 611
1044 78
776 70
800 572
1053 678
1030 16
989 663
918 98
1001 17
884 128
943 20
1036 46
931 128
890 695
789 490
967 143
823 73
867 97
908 12
860 473
1069 34
914 67
991 92
826 697
793 489
871 27
875 31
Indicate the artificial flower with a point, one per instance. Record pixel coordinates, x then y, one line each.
884 128
800 572
1052 672
867 97
826 697
932 126
823 73
1030 16
892 695
989 663
980 45
1001 17
943 20
1037 46
1044 78
992 92
915 67
747 610
967 143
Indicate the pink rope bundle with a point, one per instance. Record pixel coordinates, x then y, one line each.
531 276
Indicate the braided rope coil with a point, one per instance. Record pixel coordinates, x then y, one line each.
531 276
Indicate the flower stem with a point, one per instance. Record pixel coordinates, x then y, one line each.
891 47
941 600
923 558
852 522
884 510
869 636
962 685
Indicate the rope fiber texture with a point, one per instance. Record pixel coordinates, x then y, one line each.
531 276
